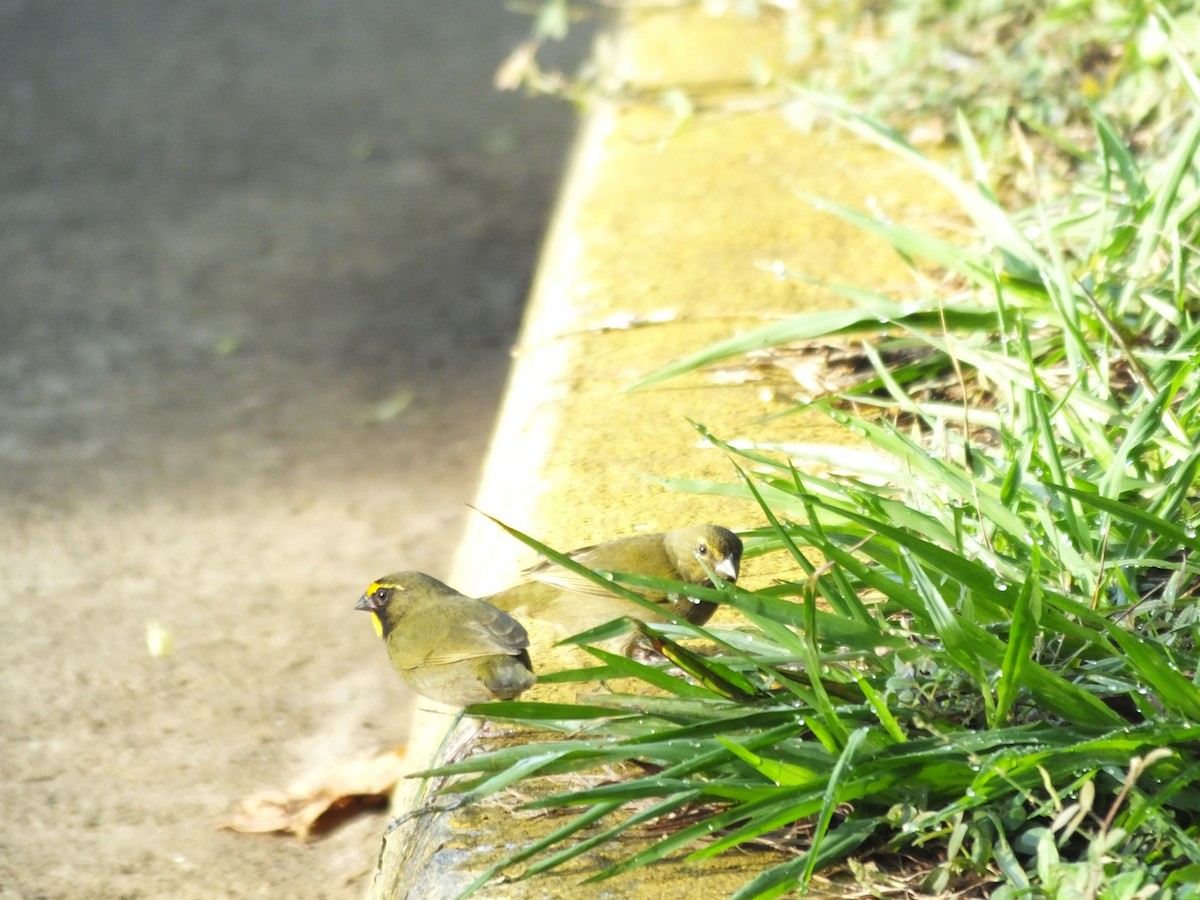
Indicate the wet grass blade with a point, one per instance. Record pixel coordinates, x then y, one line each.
628 668
1026 621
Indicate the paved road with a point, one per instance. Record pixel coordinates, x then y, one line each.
232 234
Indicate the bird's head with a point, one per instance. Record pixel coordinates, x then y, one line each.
701 546
388 598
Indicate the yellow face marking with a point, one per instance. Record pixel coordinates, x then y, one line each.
377 622
376 585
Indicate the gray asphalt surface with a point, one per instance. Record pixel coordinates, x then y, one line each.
231 235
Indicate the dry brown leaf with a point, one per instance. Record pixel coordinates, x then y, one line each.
320 801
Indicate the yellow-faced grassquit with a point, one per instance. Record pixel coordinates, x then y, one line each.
445 645
574 604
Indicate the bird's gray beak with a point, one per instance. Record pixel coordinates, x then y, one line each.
365 602
727 568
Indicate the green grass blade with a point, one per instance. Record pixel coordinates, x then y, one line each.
628 668
1027 614
783 879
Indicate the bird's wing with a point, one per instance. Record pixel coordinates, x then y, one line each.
558 577
484 630
640 554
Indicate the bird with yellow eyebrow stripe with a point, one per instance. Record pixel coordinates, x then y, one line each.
445 645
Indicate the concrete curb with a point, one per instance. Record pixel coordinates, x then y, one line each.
662 242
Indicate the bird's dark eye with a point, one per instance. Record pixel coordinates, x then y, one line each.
702 549
383 594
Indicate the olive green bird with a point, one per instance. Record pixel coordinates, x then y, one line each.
445 645
574 604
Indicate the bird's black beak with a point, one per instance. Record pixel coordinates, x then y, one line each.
370 603
727 568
